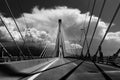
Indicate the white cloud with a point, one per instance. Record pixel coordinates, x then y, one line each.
75 46
43 25
70 45
115 36
47 20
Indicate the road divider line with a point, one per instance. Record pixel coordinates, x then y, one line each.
34 76
36 67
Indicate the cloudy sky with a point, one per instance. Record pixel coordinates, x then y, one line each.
42 15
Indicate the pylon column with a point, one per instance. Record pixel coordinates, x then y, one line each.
60 46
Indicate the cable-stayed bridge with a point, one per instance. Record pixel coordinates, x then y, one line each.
57 66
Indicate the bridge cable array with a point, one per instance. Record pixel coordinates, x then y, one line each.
14 20
101 10
118 7
43 51
88 27
3 48
29 51
21 53
16 24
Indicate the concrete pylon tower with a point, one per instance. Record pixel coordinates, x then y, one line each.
60 45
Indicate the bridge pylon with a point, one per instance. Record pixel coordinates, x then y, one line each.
60 45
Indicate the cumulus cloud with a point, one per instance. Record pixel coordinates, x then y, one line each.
75 46
113 36
43 26
70 45
47 20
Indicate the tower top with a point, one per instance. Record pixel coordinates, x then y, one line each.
59 20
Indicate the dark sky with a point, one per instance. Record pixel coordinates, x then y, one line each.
27 6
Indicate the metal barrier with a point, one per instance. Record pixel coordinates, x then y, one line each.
16 58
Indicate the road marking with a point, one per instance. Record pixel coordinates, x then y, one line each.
103 65
34 76
112 71
33 69
74 64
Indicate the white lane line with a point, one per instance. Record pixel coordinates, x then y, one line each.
34 76
32 69
74 64
112 71
103 65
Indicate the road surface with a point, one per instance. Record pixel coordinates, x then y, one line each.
71 69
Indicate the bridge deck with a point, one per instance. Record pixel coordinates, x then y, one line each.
68 69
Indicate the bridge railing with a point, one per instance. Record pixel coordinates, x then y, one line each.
16 58
108 60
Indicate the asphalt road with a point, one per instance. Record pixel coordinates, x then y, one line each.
71 69
77 70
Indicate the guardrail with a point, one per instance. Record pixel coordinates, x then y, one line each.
15 58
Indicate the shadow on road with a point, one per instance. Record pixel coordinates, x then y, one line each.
48 69
102 72
70 72
8 71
